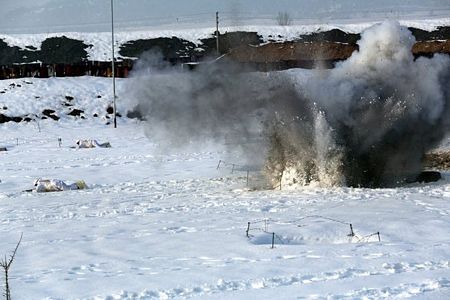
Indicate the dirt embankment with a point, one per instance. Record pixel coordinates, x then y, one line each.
439 160
279 56
428 48
286 51
328 48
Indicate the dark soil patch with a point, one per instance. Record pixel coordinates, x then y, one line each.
75 112
135 113
441 33
333 35
4 119
13 54
171 49
63 50
47 112
53 51
428 176
50 113
230 40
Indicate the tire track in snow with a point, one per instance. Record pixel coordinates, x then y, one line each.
222 285
402 291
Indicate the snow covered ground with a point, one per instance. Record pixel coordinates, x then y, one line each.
170 225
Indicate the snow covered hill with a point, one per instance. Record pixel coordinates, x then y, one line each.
30 97
100 42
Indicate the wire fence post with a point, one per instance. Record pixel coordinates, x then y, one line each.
218 165
248 229
379 238
273 240
247 177
59 142
352 233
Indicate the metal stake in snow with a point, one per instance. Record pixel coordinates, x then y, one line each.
112 63
352 233
248 229
273 240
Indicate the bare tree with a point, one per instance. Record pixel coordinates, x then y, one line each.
284 19
6 264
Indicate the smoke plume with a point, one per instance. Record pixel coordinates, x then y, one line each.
367 122
386 109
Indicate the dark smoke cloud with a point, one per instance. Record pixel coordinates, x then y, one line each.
217 102
367 122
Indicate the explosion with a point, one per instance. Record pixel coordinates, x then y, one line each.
366 123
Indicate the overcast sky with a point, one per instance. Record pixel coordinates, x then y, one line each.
32 16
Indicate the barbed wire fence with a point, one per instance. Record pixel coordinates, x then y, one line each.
20 141
253 176
252 226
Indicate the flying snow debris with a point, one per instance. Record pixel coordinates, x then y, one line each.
367 122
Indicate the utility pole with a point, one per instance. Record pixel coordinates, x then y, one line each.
217 33
113 64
